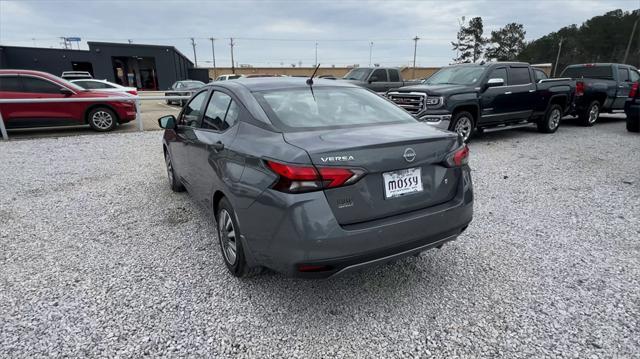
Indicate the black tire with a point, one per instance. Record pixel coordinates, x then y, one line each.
463 123
587 116
633 124
174 182
102 119
551 120
227 224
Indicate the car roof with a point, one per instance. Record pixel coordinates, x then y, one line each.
279 83
26 72
593 64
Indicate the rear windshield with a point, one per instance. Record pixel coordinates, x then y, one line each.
328 107
590 72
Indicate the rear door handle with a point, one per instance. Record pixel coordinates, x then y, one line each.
218 146
508 93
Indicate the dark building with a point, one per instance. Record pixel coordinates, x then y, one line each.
147 67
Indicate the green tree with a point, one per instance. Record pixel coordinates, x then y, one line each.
506 43
470 44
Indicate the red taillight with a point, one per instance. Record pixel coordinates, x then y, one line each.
133 92
296 179
579 88
458 158
634 90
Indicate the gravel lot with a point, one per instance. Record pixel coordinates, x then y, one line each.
99 258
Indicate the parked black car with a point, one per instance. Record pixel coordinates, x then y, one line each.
469 97
378 79
183 88
605 88
632 108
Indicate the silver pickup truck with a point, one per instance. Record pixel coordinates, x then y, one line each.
378 79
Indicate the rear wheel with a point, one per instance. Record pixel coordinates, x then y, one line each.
102 119
633 124
551 120
462 123
230 243
590 115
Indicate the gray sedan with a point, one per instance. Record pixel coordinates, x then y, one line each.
315 180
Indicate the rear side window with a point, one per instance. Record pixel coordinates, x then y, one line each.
623 75
394 76
635 77
222 112
191 112
519 76
93 85
380 75
35 85
10 84
590 72
540 75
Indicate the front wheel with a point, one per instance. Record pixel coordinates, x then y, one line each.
230 242
174 182
551 120
462 123
102 119
590 115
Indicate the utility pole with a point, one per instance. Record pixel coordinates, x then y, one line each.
316 62
233 66
213 52
626 53
193 44
415 48
555 67
370 51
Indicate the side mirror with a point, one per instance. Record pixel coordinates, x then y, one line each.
495 82
373 79
65 91
167 122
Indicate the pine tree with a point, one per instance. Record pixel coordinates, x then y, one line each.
470 44
506 43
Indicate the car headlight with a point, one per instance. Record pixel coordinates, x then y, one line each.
434 101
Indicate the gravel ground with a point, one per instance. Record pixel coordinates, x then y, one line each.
99 258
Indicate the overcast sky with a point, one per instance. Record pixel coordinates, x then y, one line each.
271 33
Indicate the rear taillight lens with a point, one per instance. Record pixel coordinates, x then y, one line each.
297 179
579 88
634 90
459 157
133 92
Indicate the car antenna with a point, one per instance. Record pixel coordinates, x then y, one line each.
310 79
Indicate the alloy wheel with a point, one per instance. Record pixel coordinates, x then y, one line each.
227 234
167 160
554 119
102 120
593 113
464 127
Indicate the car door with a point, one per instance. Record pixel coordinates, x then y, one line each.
624 86
379 80
521 93
214 160
494 101
188 120
10 88
43 114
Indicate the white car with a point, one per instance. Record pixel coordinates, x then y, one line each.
227 77
104 85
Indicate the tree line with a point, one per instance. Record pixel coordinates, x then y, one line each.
602 38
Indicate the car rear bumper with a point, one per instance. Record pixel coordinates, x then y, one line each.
285 234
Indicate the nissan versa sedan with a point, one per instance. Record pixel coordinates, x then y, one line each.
316 178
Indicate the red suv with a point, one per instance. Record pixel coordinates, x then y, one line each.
27 84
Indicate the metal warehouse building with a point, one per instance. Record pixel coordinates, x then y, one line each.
147 67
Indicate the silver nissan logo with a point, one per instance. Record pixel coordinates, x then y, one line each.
409 154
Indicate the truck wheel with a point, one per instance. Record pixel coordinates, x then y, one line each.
102 119
590 115
462 123
551 120
633 125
